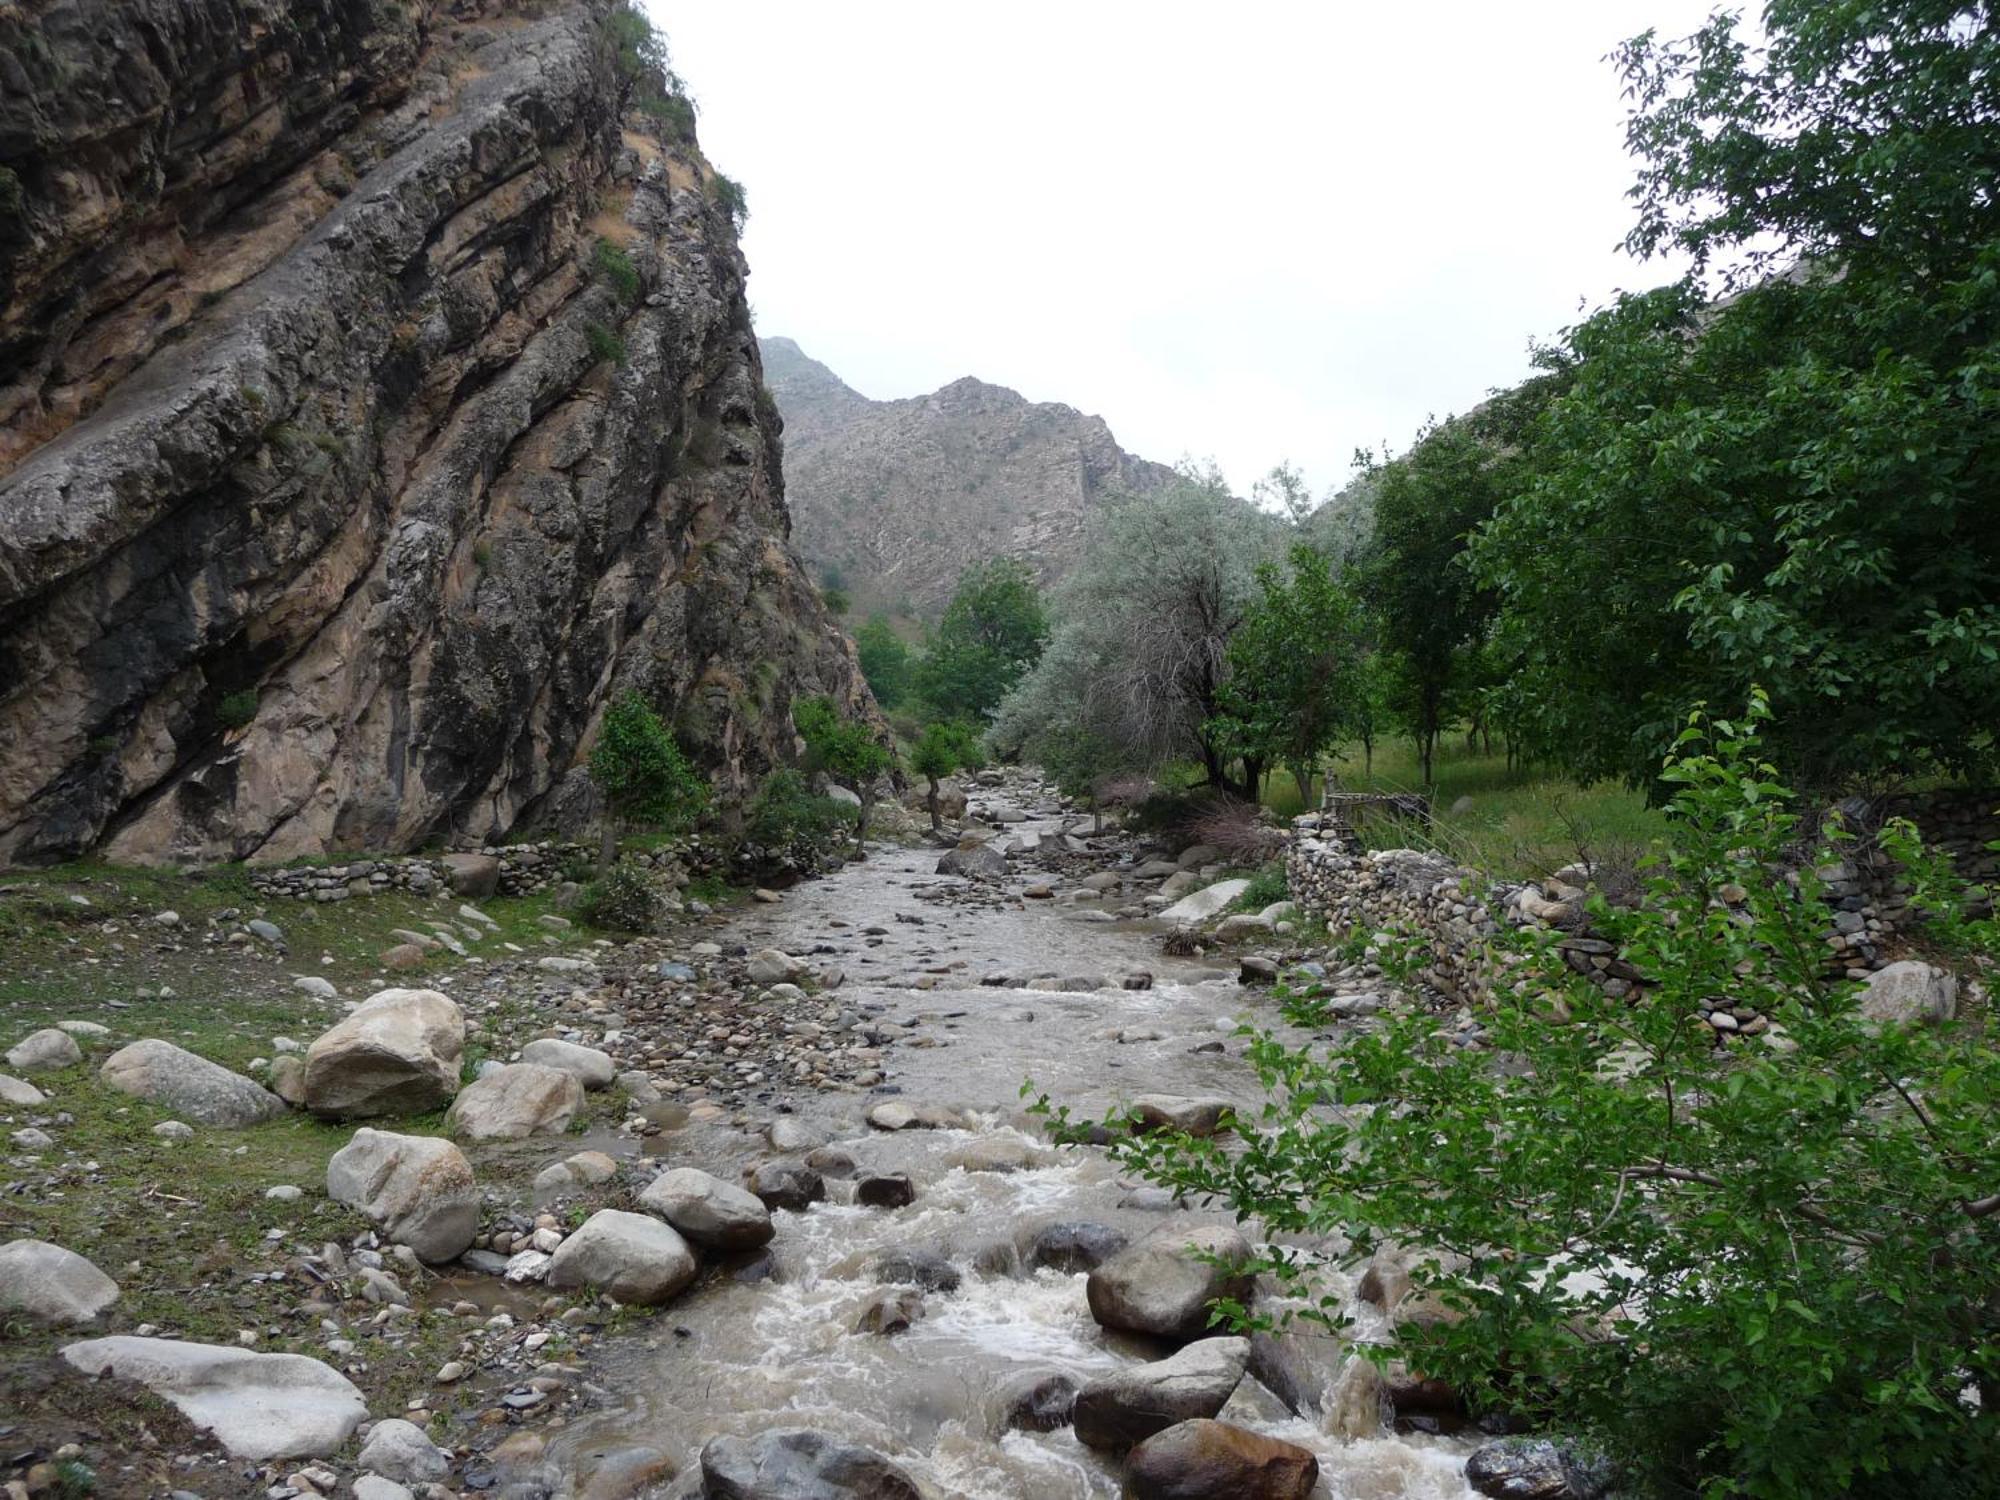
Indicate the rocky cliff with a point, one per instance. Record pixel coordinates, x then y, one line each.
379 398
898 496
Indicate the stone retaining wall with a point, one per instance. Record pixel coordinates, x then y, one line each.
1454 910
506 869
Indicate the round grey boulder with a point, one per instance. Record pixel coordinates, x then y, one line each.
396 1053
177 1080
631 1257
799 1465
417 1189
43 1051
1166 1284
708 1210
46 1281
516 1101
1129 1405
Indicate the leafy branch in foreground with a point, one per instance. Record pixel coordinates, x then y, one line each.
1767 1267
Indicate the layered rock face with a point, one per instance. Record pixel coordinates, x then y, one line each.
377 399
899 496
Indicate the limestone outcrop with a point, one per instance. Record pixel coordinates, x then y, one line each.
378 399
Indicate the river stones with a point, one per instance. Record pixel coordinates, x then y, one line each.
799 1465
1129 1405
772 966
1040 1405
631 1257
44 1051
907 1265
1909 993
177 1080
995 1154
787 1184
1531 1469
46 1281
1074 1245
708 1210
1164 1285
417 1189
890 1311
1208 1460
514 1102
258 1406
974 859
396 1053
885 1190
1196 1117
626 1472
593 1069
900 1114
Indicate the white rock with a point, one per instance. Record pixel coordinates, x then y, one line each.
396 1449
48 1282
20 1093
42 1050
88 1029
772 966
1206 902
318 988
1910 993
555 964
514 1102
258 1406
631 1257
708 1210
593 1069
417 1189
375 1487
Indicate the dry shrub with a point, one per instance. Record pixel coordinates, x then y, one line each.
1238 828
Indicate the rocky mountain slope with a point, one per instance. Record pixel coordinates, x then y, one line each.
377 398
898 497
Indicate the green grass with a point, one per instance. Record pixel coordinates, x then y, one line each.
1512 823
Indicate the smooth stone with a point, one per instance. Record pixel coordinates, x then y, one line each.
1206 902
1130 1404
908 1266
400 1450
53 1284
593 1069
787 1185
885 1190
1909 993
1074 1246
417 1189
44 1050
1040 1405
799 1465
515 1101
178 1080
631 1257
1162 1286
396 1053
1209 1460
708 1210
258 1406
19 1093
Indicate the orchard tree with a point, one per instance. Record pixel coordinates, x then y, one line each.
991 633
643 777
845 750
1296 669
1793 486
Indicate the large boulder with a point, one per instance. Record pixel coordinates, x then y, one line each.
514 1102
417 1189
53 1284
974 860
799 1465
1910 993
258 1406
787 1184
473 876
772 966
1074 1245
189 1086
1206 1460
1532 1469
631 1257
403 1451
1165 1284
1199 906
1129 1405
593 1069
397 1053
44 1050
708 1210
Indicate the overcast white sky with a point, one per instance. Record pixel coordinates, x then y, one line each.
1254 232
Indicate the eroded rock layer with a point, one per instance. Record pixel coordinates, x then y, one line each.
379 398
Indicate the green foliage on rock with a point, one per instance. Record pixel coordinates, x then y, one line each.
1757 1265
603 343
643 776
991 633
614 264
237 709
729 196
784 814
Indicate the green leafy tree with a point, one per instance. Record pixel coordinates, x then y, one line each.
991 633
1295 669
642 775
1739 1264
844 749
943 747
885 660
1793 486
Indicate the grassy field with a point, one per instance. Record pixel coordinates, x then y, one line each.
1510 823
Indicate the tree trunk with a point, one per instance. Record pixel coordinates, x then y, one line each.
931 801
1304 778
607 843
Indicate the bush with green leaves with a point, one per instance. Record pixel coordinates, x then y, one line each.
844 749
612 262
622 898
784 817
885 660
237 709
643 776
1759 1266
945 746
991 633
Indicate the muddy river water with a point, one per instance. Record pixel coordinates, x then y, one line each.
779 1348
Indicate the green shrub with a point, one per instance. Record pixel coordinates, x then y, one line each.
785 814
1748 1256
612 263
1268 886
604 344
728 195
237 709
622 899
